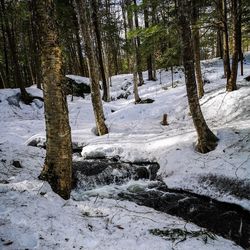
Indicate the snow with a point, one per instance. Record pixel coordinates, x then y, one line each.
33 217
79 79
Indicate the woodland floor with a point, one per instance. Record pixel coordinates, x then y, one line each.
33 217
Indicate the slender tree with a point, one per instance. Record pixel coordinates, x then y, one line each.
241 57
134 47
196 45
96 25
207 141
58 162
83 11
137 47
150 57
231 83
226 58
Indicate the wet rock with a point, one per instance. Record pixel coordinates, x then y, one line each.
76 88
17 164
14 100
146 101
247 78
40 142
90 173
124 95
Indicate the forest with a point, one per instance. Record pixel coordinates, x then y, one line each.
125 124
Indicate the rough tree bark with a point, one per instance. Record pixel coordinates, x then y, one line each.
207 141
58 162
82 9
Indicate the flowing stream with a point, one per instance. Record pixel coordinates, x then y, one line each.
138 182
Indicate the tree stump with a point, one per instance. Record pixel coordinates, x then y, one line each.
164 121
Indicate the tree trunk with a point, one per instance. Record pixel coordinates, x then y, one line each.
36 43
219 40
137 51
95 20
79 47
82 8
231 84
207 141
196 45
126 34
6 60
58 162
241 57
133 56
226 58
151 75
219 47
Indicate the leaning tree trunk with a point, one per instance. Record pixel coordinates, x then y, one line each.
82 9
196 44
231 84
207 141
58 162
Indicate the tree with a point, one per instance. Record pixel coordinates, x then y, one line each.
207 141
150 57
96 25
137 47
83 11
226 59
231 83
57 168
134 55
196 46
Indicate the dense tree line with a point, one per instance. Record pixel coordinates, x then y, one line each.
153 29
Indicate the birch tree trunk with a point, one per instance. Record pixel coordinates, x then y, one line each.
58 162
207 141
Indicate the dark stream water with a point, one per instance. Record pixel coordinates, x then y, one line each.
227 220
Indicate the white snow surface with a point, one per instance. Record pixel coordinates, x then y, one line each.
34 217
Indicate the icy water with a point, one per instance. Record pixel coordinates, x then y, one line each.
138 182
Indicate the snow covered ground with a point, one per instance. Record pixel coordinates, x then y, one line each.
33 217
